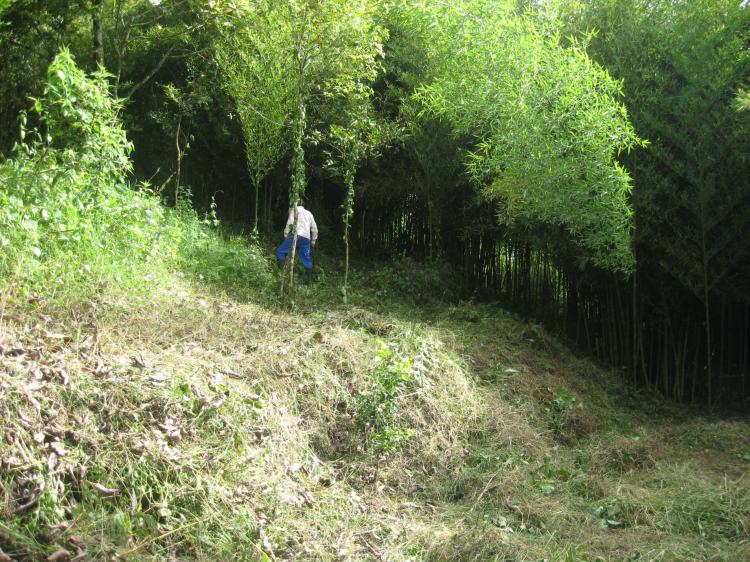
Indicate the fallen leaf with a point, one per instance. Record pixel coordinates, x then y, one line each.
77 541
12 462
13 351
55 336
58 448
60 527
173 432
307 497
63 376
296 467
103 490
23 508
408 505
35 385
138 361
61 555
158 379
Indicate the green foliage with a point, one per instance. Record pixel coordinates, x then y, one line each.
233 262
561 410
332 49
358 135
377 409
68 214
255 66
410 281
682 64
5 4
545 121
70 223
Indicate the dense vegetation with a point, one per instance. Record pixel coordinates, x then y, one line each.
583 162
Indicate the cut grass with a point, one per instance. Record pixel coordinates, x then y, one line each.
189 426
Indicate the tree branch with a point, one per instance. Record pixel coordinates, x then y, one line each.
150 75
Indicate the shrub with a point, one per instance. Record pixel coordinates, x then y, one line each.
378 408
225 259
70 222
68 215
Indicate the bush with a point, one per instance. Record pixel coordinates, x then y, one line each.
413 281
68 215
228 260
70 222
378 408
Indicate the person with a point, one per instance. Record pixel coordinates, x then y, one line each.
307 236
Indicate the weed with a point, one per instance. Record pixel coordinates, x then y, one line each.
565 415
377 409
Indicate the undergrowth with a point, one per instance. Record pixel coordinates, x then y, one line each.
71 224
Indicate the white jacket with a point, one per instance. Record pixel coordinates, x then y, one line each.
306 226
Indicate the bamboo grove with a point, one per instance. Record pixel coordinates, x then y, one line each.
584 162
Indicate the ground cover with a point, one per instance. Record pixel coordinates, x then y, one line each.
204 421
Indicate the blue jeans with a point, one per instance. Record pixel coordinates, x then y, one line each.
303 250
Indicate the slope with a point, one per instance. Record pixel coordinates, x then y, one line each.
190 425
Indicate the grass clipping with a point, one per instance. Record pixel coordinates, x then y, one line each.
213 431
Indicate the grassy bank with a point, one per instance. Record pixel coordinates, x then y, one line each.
186 424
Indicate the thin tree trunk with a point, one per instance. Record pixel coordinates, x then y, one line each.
709 376
267 207
348 211
745 353
257 178
98 34
297 190
695 369
644 365
178 151
706 304
635 324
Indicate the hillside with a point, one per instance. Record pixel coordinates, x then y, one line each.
190 424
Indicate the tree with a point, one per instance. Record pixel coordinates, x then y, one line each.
255 68
334 47
31 34
142 36
359 136
682 63
545 121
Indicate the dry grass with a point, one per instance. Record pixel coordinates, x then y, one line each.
192 427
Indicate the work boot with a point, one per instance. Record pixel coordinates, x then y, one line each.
308 276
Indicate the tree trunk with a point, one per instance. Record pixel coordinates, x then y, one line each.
348 211
706 304
178 152
297 190
96 21
256 184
